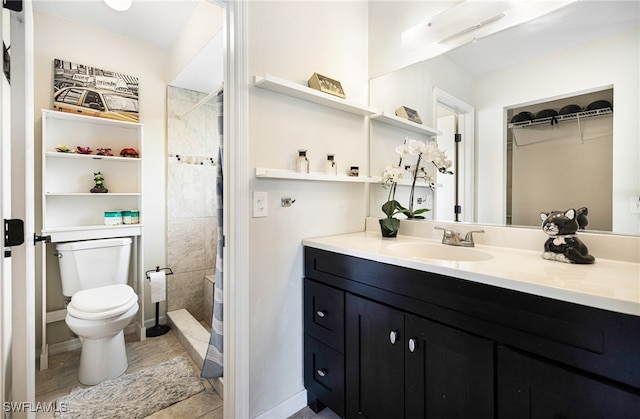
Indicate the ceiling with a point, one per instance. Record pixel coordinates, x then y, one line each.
159 22
577 23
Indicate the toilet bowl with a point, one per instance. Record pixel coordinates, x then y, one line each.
98 316
95 274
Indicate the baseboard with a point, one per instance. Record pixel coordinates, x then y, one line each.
74 343
286 408
152 322
66 346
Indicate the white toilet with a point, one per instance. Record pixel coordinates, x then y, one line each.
94 274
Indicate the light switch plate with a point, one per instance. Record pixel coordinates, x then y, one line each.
634 204
260 204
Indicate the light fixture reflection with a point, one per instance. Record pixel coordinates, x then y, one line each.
471 20
119 5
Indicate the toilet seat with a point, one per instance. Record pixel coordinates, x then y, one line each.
102 302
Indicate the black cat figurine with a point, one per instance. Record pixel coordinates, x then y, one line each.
563 244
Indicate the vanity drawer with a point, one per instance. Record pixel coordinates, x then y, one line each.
324 314
324 374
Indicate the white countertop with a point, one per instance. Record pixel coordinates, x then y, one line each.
606 284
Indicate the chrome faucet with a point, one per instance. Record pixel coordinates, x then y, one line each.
452 238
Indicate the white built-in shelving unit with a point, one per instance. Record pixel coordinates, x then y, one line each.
70 212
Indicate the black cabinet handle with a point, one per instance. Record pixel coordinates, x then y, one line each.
322 372
321 313
412 345
393 336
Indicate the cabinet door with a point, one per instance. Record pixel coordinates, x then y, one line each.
449 373
374 360
532 388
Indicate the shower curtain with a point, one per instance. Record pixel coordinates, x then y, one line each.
213 362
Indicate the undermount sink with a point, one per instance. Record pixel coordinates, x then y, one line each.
439 252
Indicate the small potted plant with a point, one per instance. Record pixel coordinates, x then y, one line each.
393 174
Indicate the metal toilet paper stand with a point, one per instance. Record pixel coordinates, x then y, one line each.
158 329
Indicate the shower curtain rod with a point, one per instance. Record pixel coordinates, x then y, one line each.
202 102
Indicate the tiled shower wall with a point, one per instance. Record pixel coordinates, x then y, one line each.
191 200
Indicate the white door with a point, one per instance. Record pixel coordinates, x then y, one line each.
17 304
446 197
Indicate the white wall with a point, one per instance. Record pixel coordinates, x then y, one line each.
292 40
612 61
72 41
196 54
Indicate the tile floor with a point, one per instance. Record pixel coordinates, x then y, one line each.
61 377
307 413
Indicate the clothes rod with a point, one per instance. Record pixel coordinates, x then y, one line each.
202 102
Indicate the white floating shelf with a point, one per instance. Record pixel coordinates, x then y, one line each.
66 116
61 155
419 184
299 91
86 232
264 173
405 124
108 194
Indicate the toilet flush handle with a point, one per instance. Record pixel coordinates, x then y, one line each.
58 255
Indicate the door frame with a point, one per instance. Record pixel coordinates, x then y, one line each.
23 295
5 213
468 196
236 212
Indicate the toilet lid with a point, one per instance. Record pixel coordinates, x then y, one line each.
102 299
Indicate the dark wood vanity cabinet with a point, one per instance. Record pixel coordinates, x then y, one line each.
383 341
538 389
401 365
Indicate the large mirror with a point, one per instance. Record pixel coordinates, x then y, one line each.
582 48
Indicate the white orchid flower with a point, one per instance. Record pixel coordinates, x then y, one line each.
403 150
393 174
431 148
388 171
399 174
416 147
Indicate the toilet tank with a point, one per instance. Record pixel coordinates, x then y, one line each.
93 263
